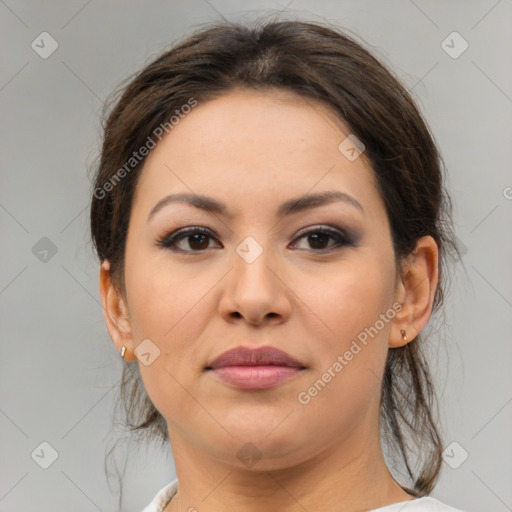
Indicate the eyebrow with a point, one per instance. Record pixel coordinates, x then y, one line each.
294 205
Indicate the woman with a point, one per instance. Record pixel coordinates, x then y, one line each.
272 226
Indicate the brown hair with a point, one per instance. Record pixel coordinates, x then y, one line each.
321 63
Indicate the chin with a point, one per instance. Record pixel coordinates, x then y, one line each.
264 449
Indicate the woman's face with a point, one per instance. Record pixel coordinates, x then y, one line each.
256 278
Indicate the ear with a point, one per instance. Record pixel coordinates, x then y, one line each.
415 290
116 313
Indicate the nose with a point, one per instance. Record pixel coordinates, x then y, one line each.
255 291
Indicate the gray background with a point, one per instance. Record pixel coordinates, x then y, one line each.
59 369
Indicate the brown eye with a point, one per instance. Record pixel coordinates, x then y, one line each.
194 239
197 239
318 239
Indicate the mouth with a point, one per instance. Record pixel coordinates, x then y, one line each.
260 368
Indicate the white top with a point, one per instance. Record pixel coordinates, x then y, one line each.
425 504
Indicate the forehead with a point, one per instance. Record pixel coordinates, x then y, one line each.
253 146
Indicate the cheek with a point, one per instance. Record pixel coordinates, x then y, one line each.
349 297
354 304
172 310
161 296
344 390
172 307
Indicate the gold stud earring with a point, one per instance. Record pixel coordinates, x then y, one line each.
123 351
404 335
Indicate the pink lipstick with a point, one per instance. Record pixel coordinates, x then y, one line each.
259 368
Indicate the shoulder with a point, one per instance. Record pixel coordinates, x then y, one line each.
425 504
163 496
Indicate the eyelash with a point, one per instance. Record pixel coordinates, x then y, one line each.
169 242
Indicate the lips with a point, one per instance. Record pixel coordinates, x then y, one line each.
254 369
262 356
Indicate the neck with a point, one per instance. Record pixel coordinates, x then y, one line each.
347 477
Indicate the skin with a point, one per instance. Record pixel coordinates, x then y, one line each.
252 151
